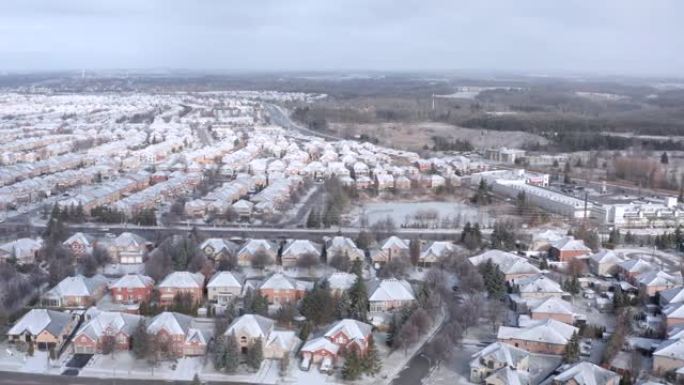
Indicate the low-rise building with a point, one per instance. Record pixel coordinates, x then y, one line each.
257 248
586 373
181 282
45 329
298 248
132 289
180 335
340 245
605 263
76 292
545 337
568 248
495 357
389 294
224 287
279 289
105 331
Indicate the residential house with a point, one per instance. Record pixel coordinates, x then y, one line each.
180 335
495 357
23 250
132 289
631 268
99 326
339 282
340 245
257 246
181 282
654 282
554 308
224 287
671 295
279 289
515 268
216 248
545 337
568 248
80 243
392 247
389 294
46 329
538 287
350 334
669 356
605 263
128 248
76 292
435 251
250 329
674 314
297 248
319 350
586 373
243 208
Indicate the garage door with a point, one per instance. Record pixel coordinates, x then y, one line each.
84 350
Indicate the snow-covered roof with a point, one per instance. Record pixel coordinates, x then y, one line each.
570 243
501 353
352 329
341 280
254 325
126 239
673 295
395 242
509 376
283 339
586 373
279 281
78 286
79 237
219 245
37 320
539 284
606 256
225 279
656 278
546 331
636 265
132 281
183 279
391 289
100 323
554 305
173 323
320 343
675 310
300 247
252 246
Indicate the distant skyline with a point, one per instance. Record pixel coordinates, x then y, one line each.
608 37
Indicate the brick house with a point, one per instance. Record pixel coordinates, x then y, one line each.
99 326
132 289
180 282
568 248
80 243
668 356
224 287
295 249
279 289
653 282
255 246
45 329
392 247
513 267
389 294
586 373
180 335
674 314
128 248
495 357
544 337
554 308
76 292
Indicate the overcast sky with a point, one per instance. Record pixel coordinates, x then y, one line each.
634 37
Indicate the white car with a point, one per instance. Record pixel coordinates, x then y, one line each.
326 365
306 363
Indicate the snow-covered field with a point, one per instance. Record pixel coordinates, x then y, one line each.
403 213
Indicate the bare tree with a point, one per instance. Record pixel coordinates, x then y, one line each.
340 262
108 343
261 259
396 267
308 260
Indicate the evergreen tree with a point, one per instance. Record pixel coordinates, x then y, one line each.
571 353
141 341
392 330
544 264
482 195
414 251
664 159
196 380
466 230
231 354
314 219
371 361
318 305
219 355
358 297
352 366
255 354
614 237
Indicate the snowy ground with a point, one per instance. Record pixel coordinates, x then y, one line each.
405 212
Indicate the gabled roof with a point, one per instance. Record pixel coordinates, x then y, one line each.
226 279
37 320
636 265
546 331
320 343
539 284
283 339
341 280
352 329
438 248
673 295
254 325
497 257
570 243
675 310
391 289
586 373
132 281
127 239
100 323
554 305
656 278
500 352
79 237
219 245
341 243
174 323
606 256
252 246
300 247
509 376
78 286
281 282
183 279
395 242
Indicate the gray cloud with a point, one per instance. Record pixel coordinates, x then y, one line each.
582 36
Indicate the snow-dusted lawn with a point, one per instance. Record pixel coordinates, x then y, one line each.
10 358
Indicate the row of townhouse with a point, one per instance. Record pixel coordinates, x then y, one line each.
90 197
229 193
15 173
31 190
177 185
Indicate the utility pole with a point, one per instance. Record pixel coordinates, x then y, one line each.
586 196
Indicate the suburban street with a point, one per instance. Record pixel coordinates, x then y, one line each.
14 378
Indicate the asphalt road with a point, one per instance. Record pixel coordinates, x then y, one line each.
281 118
13 378
417 369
